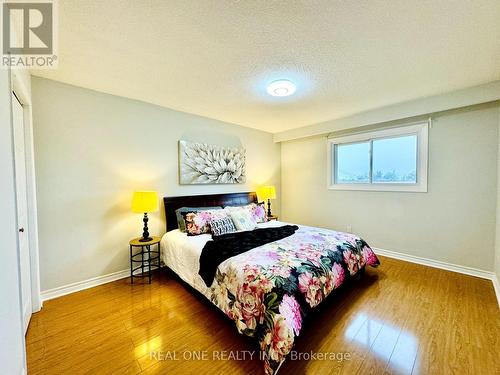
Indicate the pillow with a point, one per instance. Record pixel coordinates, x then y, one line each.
242 219
180 214
222 226
199 222
257 211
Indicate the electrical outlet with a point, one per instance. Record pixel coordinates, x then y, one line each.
349 228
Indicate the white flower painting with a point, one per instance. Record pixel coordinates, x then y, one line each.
200 163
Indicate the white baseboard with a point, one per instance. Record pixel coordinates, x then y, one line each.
444 266
85 284
436 264
496 285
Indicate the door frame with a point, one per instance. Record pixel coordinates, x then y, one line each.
21 86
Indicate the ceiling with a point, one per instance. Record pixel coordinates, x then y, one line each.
215 57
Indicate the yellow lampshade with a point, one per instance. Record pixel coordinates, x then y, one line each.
266 192
145 201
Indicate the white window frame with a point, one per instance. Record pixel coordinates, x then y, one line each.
421 130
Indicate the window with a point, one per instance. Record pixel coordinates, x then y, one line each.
392 159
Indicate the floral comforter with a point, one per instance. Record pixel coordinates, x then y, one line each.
268 290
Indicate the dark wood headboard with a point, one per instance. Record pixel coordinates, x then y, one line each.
230 199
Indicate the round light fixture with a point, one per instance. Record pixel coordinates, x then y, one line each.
282 87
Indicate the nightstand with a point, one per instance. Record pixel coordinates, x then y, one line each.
144 261
272 217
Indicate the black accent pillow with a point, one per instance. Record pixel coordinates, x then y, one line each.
222 226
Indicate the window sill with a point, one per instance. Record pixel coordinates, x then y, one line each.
418 188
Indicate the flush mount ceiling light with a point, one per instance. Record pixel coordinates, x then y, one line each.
282 87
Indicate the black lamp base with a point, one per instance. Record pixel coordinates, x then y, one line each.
269 213
145 232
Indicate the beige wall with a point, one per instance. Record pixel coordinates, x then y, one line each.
454 222
93 150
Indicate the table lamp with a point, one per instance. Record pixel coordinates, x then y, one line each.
144 202
267 192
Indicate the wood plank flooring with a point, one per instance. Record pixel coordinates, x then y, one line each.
401 318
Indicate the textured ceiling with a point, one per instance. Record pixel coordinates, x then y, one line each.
215 57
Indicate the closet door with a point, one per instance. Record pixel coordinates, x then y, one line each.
22 208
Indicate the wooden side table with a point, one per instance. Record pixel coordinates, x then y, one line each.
146 259
272 217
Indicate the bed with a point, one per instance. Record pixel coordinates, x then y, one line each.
268 290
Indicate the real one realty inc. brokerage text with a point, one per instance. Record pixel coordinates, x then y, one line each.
243 355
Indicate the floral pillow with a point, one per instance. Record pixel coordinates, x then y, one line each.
180 214
199 222
242 219
257 211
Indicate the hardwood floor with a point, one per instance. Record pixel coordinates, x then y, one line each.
401 318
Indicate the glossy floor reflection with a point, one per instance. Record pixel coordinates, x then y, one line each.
399 319
390 343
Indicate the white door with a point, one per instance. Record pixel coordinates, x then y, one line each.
22 208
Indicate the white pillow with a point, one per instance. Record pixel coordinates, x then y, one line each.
242 219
